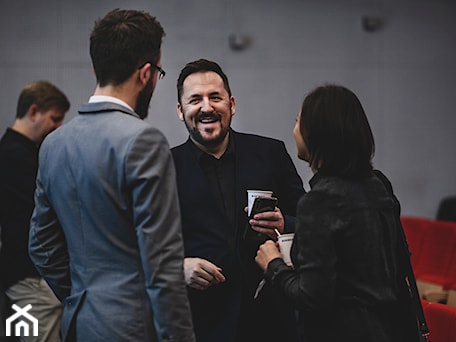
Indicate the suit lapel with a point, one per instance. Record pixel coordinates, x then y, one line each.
244 170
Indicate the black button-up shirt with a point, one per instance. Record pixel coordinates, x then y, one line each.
220 174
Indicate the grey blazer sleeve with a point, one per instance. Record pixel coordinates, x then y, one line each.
156 217
47 245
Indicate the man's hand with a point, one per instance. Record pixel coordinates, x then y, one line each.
267 222
200 273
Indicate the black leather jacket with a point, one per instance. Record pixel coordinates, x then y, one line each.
344 284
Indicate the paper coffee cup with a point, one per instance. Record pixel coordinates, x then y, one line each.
252 194
285 242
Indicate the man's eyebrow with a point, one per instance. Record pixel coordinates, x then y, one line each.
57 118
199 95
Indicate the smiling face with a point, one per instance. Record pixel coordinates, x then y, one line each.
206 109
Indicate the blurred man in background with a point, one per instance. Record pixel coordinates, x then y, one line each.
41 109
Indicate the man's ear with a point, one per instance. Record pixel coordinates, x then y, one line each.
33 112
179 112
233 105
145 74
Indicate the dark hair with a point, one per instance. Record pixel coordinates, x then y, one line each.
44 94
201 65
121 42
337 133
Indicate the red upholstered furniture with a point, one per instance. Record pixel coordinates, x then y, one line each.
441 320
437 262
415 229
433 254
451 300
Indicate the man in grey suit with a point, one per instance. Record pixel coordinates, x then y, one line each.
106 229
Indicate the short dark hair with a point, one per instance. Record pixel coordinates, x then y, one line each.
337 133
44 94
200 65
121 42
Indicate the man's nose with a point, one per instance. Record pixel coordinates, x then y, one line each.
206 106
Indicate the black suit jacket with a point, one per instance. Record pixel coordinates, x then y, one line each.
261 164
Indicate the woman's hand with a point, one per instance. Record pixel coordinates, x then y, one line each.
267 252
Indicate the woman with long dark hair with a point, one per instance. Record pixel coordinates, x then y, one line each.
346 278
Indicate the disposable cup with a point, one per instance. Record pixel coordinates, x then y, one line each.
285 242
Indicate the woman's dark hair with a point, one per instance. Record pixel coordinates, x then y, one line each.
337 133
200 65
122 41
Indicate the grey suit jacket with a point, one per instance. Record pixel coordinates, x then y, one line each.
106 230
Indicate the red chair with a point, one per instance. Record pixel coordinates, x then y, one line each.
451 300
441 320
437 261
415 229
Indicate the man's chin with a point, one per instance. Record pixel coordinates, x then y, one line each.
208 140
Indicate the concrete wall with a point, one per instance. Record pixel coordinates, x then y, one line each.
403 73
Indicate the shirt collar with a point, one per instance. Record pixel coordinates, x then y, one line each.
229 150
106 98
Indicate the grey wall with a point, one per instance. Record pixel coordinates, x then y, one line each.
403 74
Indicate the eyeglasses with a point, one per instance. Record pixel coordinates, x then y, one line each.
161 72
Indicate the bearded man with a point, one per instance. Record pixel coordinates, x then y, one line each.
214 168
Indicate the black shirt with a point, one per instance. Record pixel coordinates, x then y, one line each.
220 174
19 164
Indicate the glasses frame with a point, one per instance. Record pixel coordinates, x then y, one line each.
161 72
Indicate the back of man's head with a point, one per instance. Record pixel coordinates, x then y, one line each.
44 95
122 41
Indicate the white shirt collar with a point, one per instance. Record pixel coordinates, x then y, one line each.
105 98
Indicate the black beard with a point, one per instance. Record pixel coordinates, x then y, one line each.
143 101
197 137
